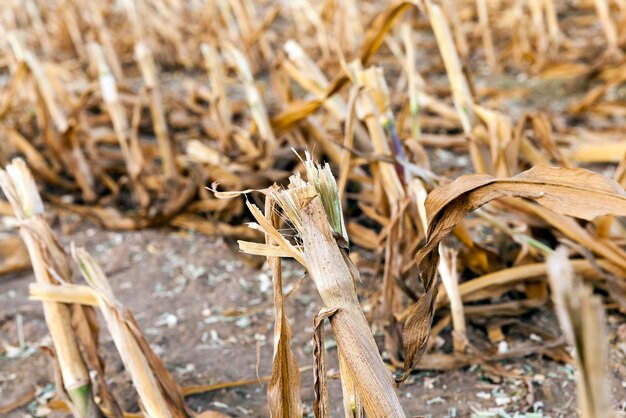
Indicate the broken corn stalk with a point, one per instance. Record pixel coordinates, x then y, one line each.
314 210
144 57
160 396
255 100
450 279
135 361
217 77
129 145
373 108
49 265
583 322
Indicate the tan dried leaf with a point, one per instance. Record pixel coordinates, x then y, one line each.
568 191
321 405
13 254
283 389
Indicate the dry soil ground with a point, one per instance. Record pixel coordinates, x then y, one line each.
207 311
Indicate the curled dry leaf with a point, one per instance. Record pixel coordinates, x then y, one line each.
573 192
283 389
228 194
321 406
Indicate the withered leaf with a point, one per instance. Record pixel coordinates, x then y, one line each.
13 254
283 389
568 191
321 406
22 399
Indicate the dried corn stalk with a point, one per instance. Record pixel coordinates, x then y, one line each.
604 13
451 10
13 254
160 396
144 57
217 78
583 322
461 93
104 38
553 23
373 108
314 210
450 279
65 144
128 143
483 16
49 265
414 80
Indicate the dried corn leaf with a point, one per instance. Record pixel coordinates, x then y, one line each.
283 389
13 254
321 406
21 400
573 192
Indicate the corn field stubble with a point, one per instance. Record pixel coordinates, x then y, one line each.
464 243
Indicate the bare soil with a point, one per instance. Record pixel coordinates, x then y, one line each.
207 310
